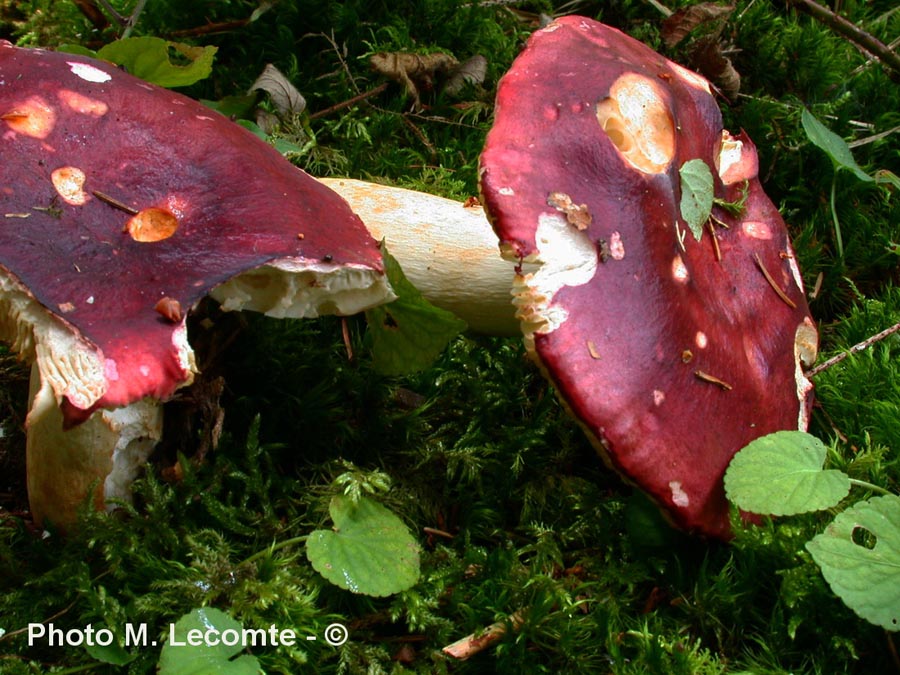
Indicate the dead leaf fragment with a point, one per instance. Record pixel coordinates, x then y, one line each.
286 98
577 214
684 21
471 71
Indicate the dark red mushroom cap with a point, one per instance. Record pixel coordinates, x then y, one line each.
672 352
117 195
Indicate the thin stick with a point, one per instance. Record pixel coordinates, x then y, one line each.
115 203
775 286
852 32
478 642
812 372
350 101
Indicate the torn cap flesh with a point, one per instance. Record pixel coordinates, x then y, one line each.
116 194
672 356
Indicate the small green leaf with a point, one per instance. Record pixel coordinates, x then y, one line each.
113 653
833 145
369 551
859 554
696 194
409 333
781 475
150 59
196 647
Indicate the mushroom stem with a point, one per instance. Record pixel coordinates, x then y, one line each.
100 457
446 249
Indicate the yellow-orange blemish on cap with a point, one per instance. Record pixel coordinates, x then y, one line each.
151 225
82 104
33 117
69 184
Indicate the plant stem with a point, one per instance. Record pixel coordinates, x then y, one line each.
837 225
275 547
869 486
858 347
852 32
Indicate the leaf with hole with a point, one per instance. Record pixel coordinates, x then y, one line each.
151 59
859 555
369 551
696 194
196 646
409 333
781 474
833 145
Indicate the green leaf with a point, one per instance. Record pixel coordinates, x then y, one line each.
696 194
781 475
150 59
113 653
369 551
859 554
409 333
833 145
197 649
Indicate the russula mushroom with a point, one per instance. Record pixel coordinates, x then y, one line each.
124 204
672 352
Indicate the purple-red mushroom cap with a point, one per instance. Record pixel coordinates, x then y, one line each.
124 204
672 352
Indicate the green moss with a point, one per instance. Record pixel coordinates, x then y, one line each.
524 521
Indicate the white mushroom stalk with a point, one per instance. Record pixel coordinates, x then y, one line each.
446 249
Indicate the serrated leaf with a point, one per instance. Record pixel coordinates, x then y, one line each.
833 145
182 658
149 59
409 333
696 195
781 475
369 551
865 575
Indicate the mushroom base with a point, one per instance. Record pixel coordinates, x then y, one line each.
96 460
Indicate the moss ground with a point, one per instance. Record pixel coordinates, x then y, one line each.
477 447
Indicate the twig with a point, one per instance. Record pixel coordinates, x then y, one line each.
349 102
478 642
852 32
775 287
837 358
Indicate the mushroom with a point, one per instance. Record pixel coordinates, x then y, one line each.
445 248
123 205
673 352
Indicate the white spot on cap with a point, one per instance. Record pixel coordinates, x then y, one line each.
506 191
90 300
756 229
88 72
679 271
616 247
110 370
701 340
679 496
658 397
145 371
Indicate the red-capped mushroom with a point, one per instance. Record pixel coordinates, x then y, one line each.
673 352
124 204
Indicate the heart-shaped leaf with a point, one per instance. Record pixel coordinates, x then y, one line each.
696 194
781 475
369 551
196 646
859 554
